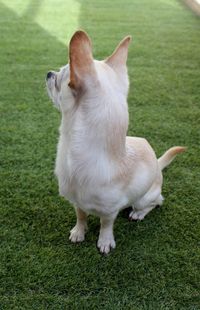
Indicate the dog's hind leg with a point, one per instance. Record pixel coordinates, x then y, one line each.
77 234
144 205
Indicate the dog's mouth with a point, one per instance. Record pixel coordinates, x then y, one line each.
49 75
51 80
50 83
52 87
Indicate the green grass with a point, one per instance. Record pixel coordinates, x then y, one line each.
156 263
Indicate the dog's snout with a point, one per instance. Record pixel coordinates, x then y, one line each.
49 75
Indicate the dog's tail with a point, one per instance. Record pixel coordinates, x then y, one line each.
169 155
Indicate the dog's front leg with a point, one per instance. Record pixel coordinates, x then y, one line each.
106 240
77 234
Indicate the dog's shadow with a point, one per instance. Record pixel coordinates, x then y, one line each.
30 128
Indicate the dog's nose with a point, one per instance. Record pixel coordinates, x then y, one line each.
49 74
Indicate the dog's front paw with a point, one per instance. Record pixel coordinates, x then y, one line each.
106 244
77 234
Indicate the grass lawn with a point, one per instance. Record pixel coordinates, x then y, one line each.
156 264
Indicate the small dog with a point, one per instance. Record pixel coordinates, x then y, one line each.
99 169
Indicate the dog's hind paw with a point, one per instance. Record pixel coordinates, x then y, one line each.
136 216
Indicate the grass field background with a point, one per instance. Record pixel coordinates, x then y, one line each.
156 264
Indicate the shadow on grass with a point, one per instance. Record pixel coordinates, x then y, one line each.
32 10
29 123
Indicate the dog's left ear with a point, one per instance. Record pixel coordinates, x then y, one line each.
81 62
120 55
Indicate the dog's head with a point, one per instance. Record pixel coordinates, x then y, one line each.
88 79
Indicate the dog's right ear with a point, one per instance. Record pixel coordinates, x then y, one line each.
82 69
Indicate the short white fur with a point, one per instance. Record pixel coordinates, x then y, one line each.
99 169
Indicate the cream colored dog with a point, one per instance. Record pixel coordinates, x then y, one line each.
99 169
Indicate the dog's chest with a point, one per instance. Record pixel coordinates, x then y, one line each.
84 174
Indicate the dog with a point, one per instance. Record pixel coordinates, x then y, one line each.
99 169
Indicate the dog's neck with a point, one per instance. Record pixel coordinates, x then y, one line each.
102 132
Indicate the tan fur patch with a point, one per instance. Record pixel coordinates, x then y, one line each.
80 58
137 150
119 56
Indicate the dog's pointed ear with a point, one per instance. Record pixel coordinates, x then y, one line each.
120 55
80 60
